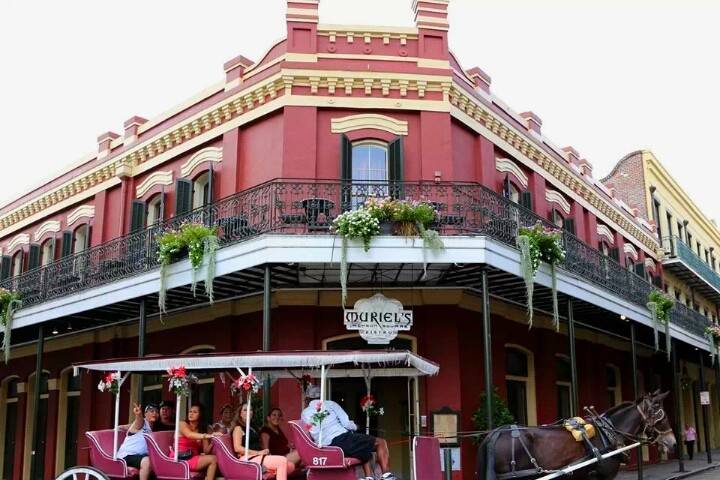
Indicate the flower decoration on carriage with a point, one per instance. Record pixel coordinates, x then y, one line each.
319 415
110 383
245 383
180 381
304 382
370 407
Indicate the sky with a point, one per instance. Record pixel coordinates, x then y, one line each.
606 76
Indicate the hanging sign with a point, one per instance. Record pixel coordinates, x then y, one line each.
378 319
704 398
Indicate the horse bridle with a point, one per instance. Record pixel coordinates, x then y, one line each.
650 430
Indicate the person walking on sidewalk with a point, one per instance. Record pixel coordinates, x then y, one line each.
690 436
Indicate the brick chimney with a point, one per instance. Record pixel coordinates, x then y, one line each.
131 126
571 155
104 142
532 122
234 70
431 19
302 19
481 79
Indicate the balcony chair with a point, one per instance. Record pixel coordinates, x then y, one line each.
323 463
101 446
230 466
163 465
426 458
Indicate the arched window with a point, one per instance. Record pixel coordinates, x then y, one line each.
201 191
520 384
511 192
68 420
81 238
557 219
38 460
8 425
604 248
370 162
17 263
614 389
154 210
563 386
47 252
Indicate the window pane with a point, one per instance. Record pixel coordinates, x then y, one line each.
74 382
563 401
516 362
369 162
562 369
611 377
517 401
12 388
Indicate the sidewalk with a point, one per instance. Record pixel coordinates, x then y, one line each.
669 470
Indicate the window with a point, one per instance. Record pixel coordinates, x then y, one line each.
517 377
604 248
8 427
563 386
612 374
513 194
656 214
154 211
689 239
68 420
201 191
47 252
17 263
80 239
557 219
370 162
680 231
38 460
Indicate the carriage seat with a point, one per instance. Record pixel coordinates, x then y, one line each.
164 466
322 462
427 458
231 467
101 454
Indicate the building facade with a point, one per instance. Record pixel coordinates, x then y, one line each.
270 156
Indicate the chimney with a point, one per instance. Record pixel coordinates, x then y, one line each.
532 122
571 155
586 167
481 79
131 126
302 19
431 19
104 142
234 70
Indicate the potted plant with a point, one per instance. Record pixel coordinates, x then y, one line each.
712 334
660 305
9 303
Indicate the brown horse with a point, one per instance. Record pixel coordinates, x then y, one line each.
553 447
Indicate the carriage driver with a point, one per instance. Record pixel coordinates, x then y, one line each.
134 449
339 431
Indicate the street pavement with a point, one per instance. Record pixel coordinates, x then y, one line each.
669 470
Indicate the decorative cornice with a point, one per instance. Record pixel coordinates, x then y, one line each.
631 250
18 240
51 226
210 154
604 231
155 178
553 196
650 264
505 165
85 211
369 120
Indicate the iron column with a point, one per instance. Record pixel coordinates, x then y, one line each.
267 306
678 405
705 409
487 349
36 402
573 361
636 392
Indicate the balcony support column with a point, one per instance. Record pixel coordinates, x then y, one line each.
36 402
705 409
678 406
267 306
573 361
636 393
487 349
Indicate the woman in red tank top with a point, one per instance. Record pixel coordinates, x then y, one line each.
195 439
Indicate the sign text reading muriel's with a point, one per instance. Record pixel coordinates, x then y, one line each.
378 318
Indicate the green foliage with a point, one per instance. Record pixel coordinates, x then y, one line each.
545 245
663 305
359 223
500 413
9 302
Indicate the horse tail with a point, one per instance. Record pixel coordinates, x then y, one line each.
485 466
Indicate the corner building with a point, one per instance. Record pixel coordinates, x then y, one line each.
270 156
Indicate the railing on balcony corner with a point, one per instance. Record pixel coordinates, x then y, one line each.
689 319
675 248
309 206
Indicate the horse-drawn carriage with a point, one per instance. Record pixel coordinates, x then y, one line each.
321 462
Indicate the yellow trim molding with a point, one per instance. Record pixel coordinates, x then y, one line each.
210 154
155 178
51 226
604 231
631 250
86 211
650 264
369 120
506 165
553 196
18 240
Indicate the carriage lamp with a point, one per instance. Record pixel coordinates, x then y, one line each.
445 424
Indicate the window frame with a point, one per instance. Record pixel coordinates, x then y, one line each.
530 389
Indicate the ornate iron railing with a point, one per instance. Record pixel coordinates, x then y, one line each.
689 319
310 206
676 248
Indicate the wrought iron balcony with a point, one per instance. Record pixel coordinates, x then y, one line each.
309 207
684 263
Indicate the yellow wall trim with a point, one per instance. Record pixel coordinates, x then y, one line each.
630 250
210 154
18 240
370 120
605 232
155 178
506 165
86 211
51 226
553 196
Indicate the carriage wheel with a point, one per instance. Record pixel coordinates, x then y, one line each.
82 473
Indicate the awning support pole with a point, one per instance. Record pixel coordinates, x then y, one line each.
487 349
177 426
573 360
636 393
36 400
322 401
249 420
142 329
705 409
117 416
678 405
267 310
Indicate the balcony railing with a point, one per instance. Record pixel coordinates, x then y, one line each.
309 206
676 248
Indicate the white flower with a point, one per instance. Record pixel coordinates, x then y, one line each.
381 411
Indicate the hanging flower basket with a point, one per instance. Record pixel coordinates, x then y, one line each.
660 305
712 334
540 244
179 381
110 383
370 407
319 415
9 303
246 383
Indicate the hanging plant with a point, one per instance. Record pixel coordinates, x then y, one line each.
9 303
538 244
200 243
660 305
368 404
110 383
180 381
712 334
245 383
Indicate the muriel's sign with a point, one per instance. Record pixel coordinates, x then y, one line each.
378 319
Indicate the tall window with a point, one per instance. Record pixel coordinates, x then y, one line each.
516 381
68 428
47 252
9 425
17 263
557 219
154 210
614 391
563 387
80 239
38 460
201 191
370 162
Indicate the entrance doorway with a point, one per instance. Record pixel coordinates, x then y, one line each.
395 395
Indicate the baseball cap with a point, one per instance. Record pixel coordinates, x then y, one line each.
151 406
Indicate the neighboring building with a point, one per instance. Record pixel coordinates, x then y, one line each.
270 156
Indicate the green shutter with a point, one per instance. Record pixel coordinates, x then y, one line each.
137 220
67 244
183 196
210 186
614 253
395 167
5 267
569 225
640 269
526 199
506 186
345 172
34 257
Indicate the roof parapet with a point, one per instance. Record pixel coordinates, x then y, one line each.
302 19
532 122
481 79
131 126
234 71
104 141
431 19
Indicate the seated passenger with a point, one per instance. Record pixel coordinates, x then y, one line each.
224 425
276 463
167 418
194 443
134 449
339 431
272 438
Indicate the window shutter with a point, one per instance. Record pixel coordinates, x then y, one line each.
88 237
506 186
526 199
640 269
569 225
34 257
210 184
395 167
657 281
162 206
614 253
5 267
345 158
183 196
67 244
137 221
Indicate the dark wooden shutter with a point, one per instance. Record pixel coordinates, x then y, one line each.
88 237
526 199
506 186
569 225
183 196
395 167
657 281
139 215
640 269
161 218
67 244
211 182
614 253
5 265
34 257
345 158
